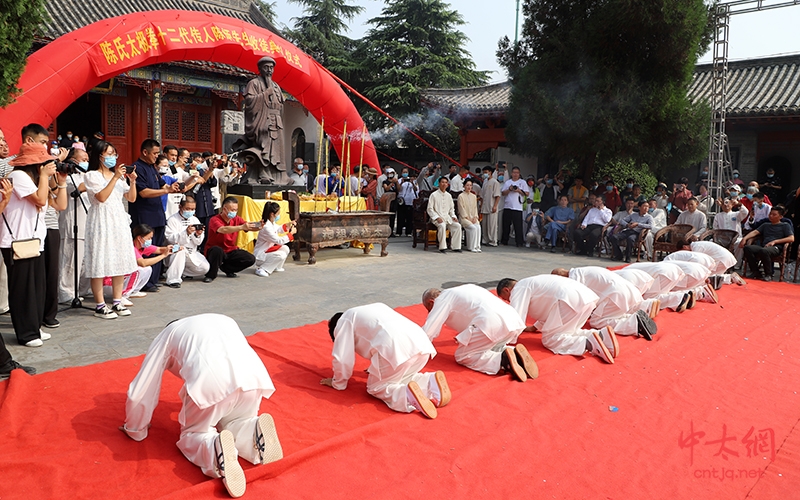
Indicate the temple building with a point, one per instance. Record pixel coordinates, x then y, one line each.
763 118
192 104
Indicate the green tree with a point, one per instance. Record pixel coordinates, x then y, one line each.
19 21
320 31
267 9
608 79
412 45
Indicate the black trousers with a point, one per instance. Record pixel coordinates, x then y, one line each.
158 240
231 262
26 285
512 217
752 253
627 237
52 249
405 219
586 239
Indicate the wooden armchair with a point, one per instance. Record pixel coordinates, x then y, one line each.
665 240
726 238
780 259
423 230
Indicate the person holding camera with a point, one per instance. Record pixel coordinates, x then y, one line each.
515 190
147 207
147 255
71 243
221 250
107 226
184 229
271 248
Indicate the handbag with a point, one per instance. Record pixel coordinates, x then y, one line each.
24 249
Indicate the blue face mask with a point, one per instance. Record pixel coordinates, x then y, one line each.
549 182
171 163
609 188
651 210
277 217
405 175
735 176
83 165
231 215
500 178
770 176
110 162
749 196
147 243
187 213
629 185
485 176
305 170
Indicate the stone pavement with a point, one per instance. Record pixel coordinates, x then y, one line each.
304 294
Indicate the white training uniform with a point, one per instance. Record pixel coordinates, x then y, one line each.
485 324
640 279
396 347
722 257
441 206
190 262
695 275
224 382
666 276
619 299
267 237
696 257
560 306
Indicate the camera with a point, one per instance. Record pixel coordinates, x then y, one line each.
182 185
198 227
66 168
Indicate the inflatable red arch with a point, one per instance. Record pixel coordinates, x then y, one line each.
71 65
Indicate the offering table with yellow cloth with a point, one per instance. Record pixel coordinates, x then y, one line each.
251 210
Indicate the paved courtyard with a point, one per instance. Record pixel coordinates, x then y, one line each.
304 294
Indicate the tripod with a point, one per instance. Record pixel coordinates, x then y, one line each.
76 197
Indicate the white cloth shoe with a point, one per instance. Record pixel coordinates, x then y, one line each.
34 343
261 272
44 335
598 347
136 295
125 302
228 466
265 440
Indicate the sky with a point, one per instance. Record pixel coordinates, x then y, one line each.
752 35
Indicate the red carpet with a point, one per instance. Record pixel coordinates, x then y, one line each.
722 376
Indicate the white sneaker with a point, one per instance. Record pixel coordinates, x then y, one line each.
34 343
261 272
136 295
44 335
105 313
125 302
120 310
280 270
598 347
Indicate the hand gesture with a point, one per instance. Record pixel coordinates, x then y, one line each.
120 171
190 230
200 231
439 220
6 188
48 169
132 176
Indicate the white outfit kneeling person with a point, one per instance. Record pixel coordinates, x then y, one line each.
560 307
224 382
271 248
666 277
621 305
184 229
397 349
442 213
486 325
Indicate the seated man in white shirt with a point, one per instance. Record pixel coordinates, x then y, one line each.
185 229
621 305
694 218
398 350
560 307
760 211
486 325
224 383
588 233
442 213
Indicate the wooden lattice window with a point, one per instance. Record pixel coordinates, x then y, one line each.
204 127
116 120
188 131
171 124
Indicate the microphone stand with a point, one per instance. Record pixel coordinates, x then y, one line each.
76 197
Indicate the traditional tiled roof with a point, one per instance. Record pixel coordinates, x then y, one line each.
69 15
486 101
756 88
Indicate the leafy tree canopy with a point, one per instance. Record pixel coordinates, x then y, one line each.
267 9
320 31
608 78
19 21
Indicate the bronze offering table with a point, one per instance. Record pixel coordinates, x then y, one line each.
319 230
